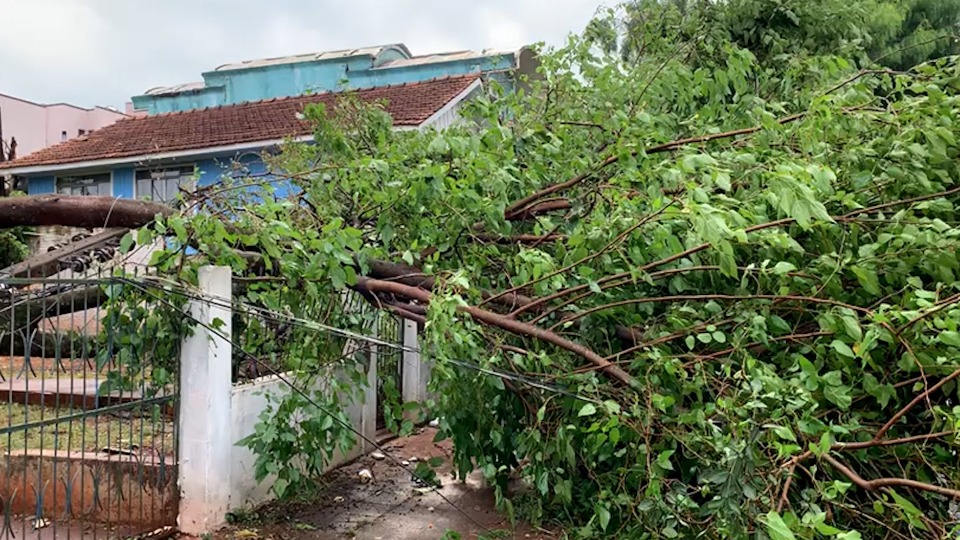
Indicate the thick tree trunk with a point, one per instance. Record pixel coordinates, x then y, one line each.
78 211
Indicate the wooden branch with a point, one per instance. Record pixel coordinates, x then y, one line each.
920 397
539 302
526 203
520 238
620 237
83 211
707 297
880 483
649 266
503 322
415 277
540 208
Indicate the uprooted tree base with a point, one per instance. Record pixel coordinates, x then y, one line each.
670 309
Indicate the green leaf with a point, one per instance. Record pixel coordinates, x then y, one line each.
126 242
663 460
280 487
868 279
852 327
784 433
839 395
783 267
612 407
587 410
950 337
777 529
604 516
843 348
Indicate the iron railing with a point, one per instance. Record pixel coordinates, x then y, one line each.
89 443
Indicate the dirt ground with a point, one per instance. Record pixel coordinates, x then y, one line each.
389 507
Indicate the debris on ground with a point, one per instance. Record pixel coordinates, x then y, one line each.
388 506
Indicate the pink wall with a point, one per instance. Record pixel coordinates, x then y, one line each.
37 126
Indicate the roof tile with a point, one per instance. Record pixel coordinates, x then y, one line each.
409 104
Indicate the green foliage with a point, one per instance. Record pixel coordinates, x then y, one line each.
14 244
898 33
791 276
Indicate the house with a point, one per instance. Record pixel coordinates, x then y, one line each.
201 131
154 156
197 134
36 126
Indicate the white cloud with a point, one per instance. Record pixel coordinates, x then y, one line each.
104 51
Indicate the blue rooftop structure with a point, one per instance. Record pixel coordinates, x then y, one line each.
354 69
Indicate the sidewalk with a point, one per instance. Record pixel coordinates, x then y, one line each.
388 507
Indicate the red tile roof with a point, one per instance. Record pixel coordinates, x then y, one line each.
409 104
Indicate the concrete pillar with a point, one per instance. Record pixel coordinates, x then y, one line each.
205 423
368 426
416 373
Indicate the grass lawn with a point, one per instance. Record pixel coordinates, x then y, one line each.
125 430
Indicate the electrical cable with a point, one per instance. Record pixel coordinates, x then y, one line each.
313 403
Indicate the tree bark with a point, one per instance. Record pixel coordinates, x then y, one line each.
78 211
504 323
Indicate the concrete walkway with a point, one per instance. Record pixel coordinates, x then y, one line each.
62 392
389 507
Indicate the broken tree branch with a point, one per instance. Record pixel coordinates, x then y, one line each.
83 211
880 483
504 323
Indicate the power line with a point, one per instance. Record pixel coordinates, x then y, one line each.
313 325
313 403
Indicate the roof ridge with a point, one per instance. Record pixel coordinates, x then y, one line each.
315 94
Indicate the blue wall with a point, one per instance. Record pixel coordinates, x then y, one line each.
292 79
211 171
123 185
39 185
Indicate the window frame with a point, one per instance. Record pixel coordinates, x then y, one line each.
74 177
136 180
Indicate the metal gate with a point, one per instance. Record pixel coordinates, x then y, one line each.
89 445
389 365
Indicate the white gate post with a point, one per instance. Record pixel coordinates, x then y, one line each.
204 418
416 373
368 426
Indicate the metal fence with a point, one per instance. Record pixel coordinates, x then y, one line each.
89 445
389 365
268 343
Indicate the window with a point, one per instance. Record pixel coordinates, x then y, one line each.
63 136
81 132
91 184
163 185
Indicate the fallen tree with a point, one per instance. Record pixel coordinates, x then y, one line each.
734 306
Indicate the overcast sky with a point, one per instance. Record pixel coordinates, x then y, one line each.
101 52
